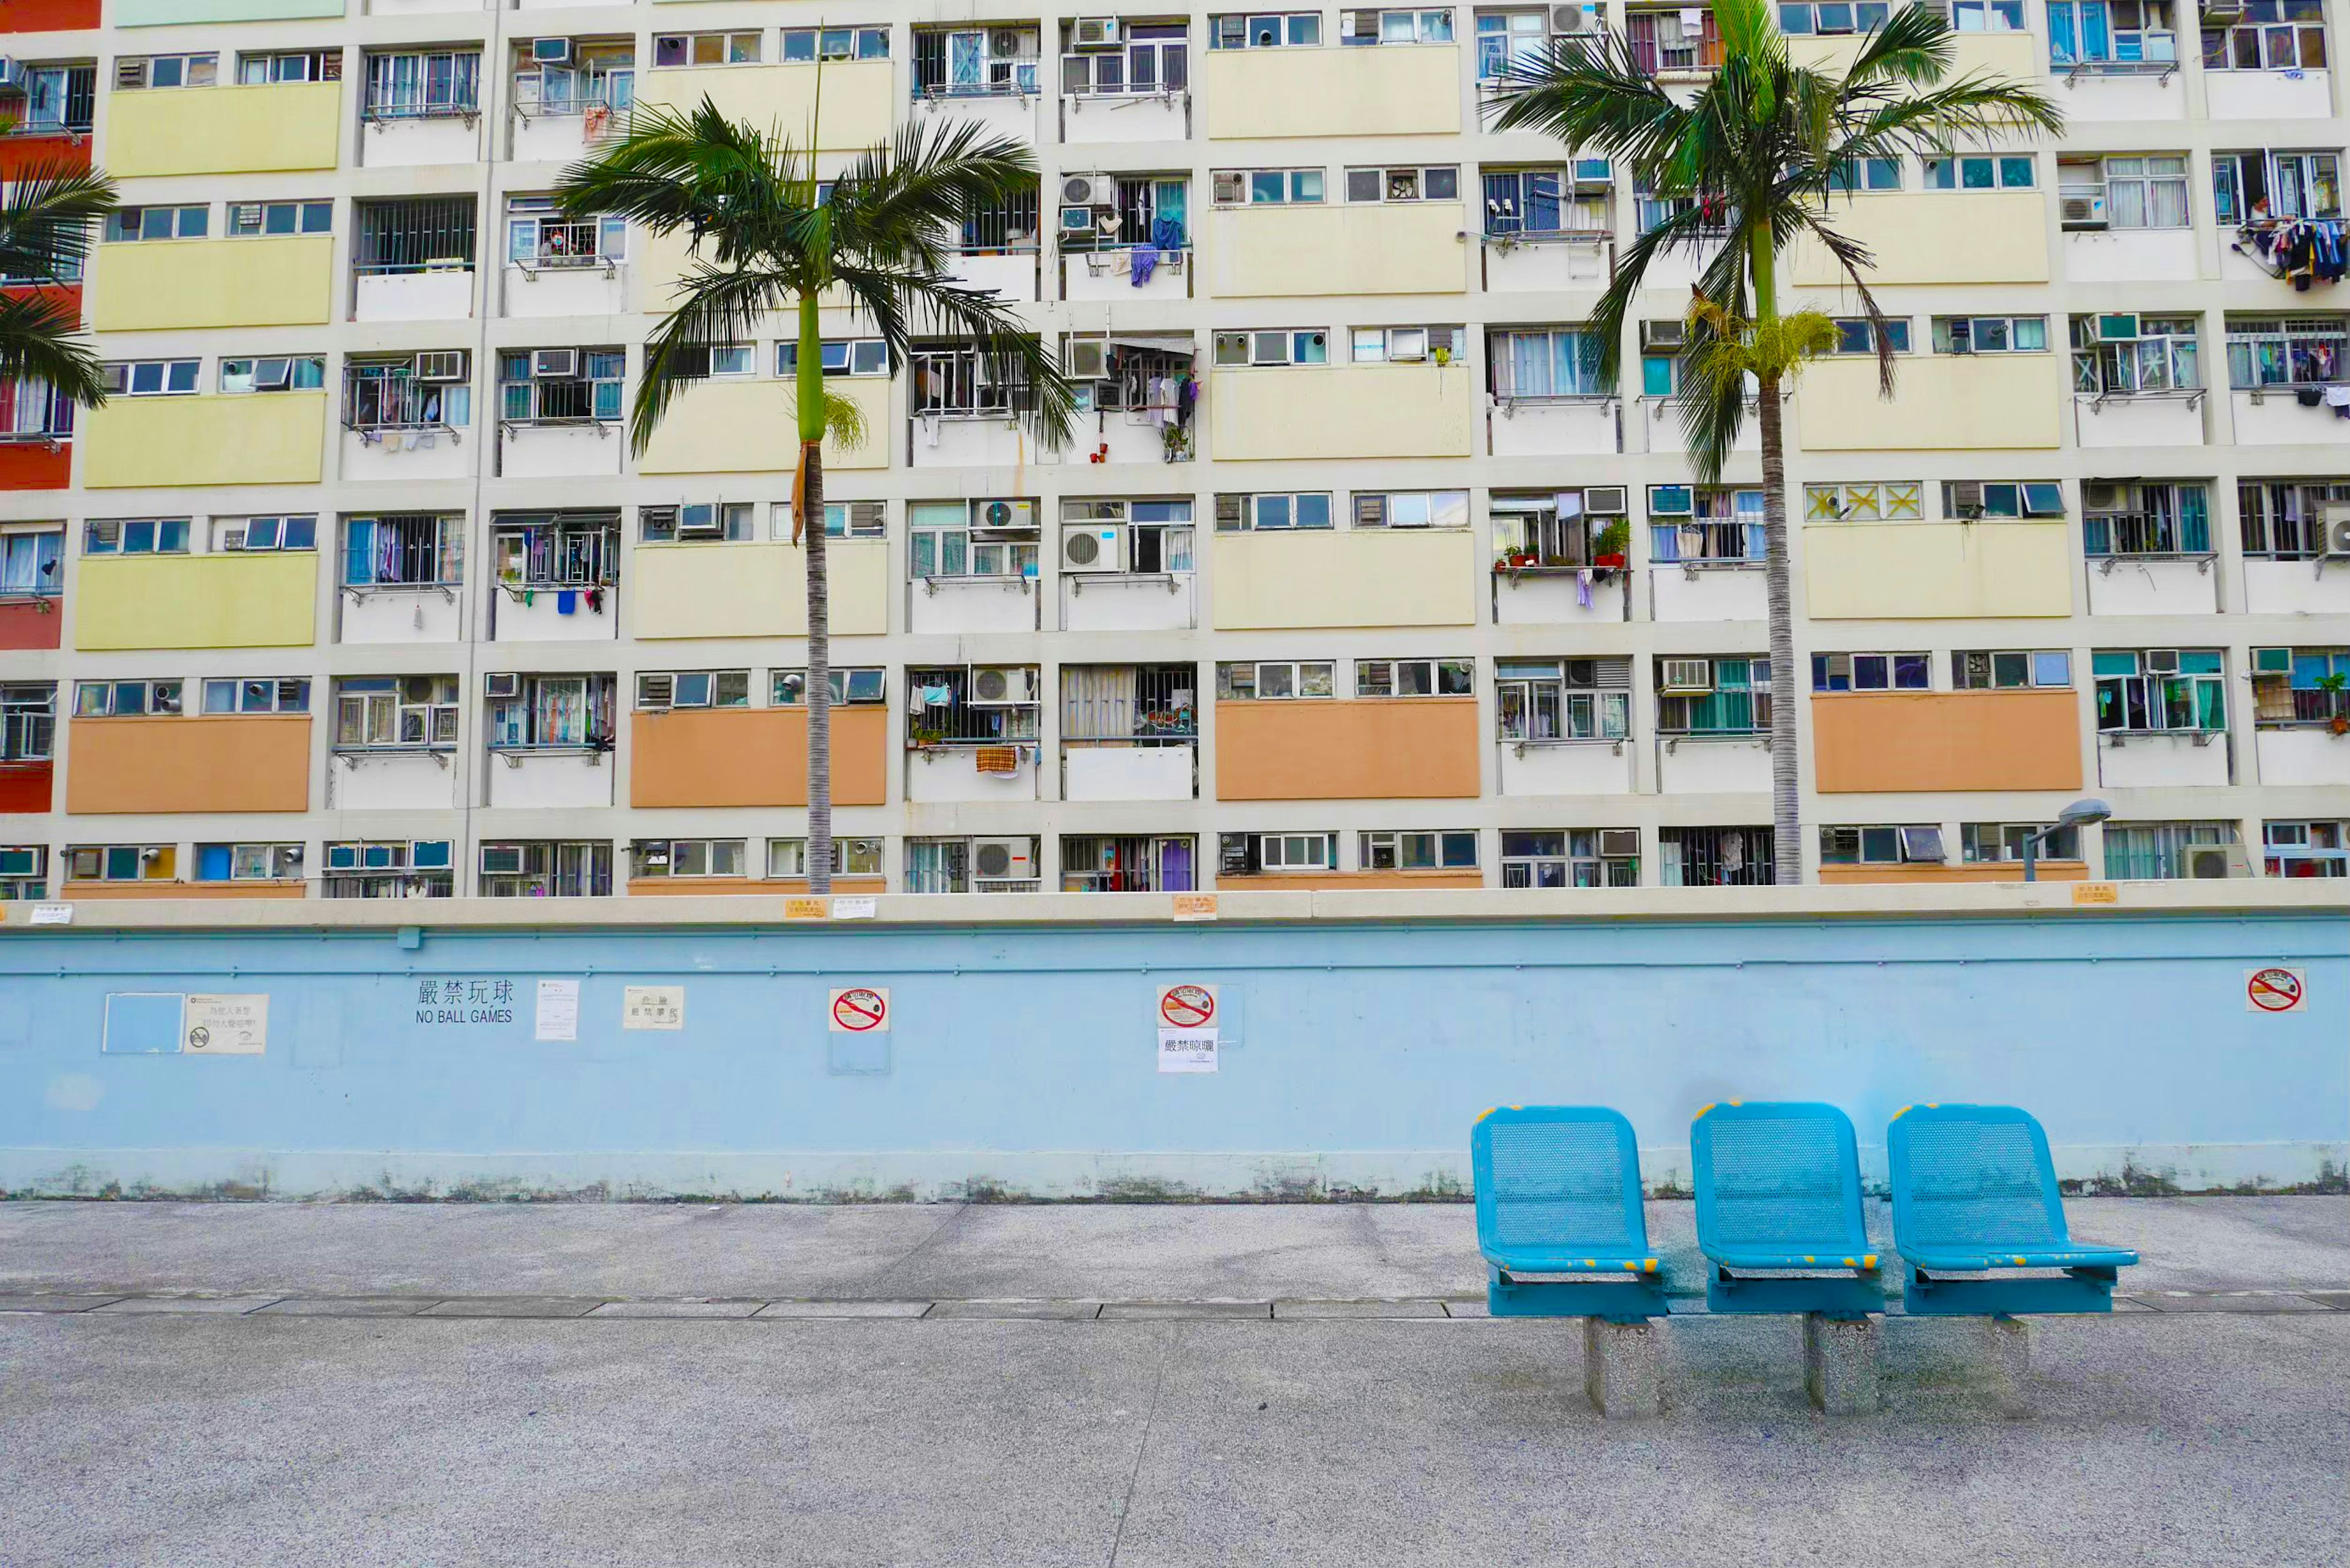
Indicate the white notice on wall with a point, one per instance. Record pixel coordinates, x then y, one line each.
1187 1050
853 909
652 1007
53 914
225 1025
558 1009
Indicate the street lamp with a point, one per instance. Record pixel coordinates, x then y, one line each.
2080 813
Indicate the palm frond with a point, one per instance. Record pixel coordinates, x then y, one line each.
715 307
900 303
844 422
1913 46
40 341
48 219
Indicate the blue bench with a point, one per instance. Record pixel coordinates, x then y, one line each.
1974 1192
1778 1188
1558 1193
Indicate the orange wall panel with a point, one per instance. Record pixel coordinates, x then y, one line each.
25 786
184 890
31 465
47 15
245 762
19 154
752 756
1983 871
1896 741
1400 748
660 886
30 623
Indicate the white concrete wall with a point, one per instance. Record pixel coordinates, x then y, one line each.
566 290
2267 94
1707 593
1113 602
1543 430
2098 98
2137 421
1097 122
550 138
1690 764
387 142
392 781
1551 601
1012 276
1108 277
2297 588
560 451
1569 768
2307 756
401 616
2160 761
2154 587
543 620
2279 420
556 779
2128 255
414 457
951 773
1007 116
414 297
994 442
1131 439
1657 422
1125 773
973 603
1546 266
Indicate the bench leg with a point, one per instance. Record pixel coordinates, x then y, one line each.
1840 1364
2007 1362
1619 1368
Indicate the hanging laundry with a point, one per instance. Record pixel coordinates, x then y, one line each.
1167 235
529 597
1142 262
1582 587
2338 398
936 696
996 759
596 601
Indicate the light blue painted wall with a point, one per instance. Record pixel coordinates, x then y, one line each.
190 13
1026 1057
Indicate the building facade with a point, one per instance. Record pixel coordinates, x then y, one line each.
1355 574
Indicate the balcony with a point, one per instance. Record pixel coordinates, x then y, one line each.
1401 89
391 778
723 758
149 285
2163 759
1735 764
221 600
1937 571
417 134
1942 403
1310 412
1106 276
2127 256
1324 578
2273 416
154 443
854 113
285 126
2285 586
26 787
960 604
2268 95
1094 119
1368 748
1545 262
553 778
959 773
2140 419
38 146
1903 742
1129 601
1555 427
751 427
1326 249
1129 731
2302 755
1557 596
248 762
2154 585
1012 273
1565 767
1708 590
756 589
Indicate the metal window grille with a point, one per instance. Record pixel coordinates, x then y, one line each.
1127 864
414 235
1147 705
940 713
1715 857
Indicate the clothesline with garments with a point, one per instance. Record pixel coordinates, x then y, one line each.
2303 252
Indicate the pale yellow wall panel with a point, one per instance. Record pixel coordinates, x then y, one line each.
1400 89
1408 247
265 600
224 130
752 427
159 284
2015 55
1326 578
1936 237
1941 403
1341 411
156 443
757 589
857 98
1937 571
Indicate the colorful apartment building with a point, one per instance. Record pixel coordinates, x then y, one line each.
1354 575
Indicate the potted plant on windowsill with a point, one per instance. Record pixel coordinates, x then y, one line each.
2339 723
1608 544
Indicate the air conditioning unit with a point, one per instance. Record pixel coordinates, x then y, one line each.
1364 25
1566 19
2085 211
1097 548
2120 327
1087 191
700 521
2223 12
1964 499
550 51
1664 335
2217 862
1230 188
342 856
1003 685
1005 514
1097 32
655 691
1008 44
12 75
1002 860
1618 843
2162 662
1607 499
431 855
440 365
1688 675
2334 516
1089 359
501 859
554 364
231 539
2096 496
19 862
1079 220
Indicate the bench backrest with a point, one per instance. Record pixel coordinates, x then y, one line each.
1772 1173
1557 1176
1974 1175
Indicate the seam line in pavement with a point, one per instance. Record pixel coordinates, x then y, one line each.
1142 1447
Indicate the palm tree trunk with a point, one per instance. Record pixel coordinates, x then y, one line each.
1786 820
809 516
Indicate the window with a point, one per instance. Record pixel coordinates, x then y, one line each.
2004 670
599 75
29 722
1277 346
1416 852
1127 863
24 871
806 44
1687 525
1981 842
431 233
1440 184
2300 686
2303 351
305 373
1714 857
1266 187
1572 857
135 537
138 72
702 521
2123 34
2145 520
2251 188
417 391
971 538
126 699
2285 520
1156 537
233 696
1275 680
555 550
2273 35
29 563
1858 334
706 50
1532 203
410 711
1559 528
560 386
1991 334
1380 345
1154 58
963 383
59 99
2141 191
842 520
2158 851
1273 510
550 711
1714 696
1650 210
973 704
1969 501
686 858
1831 16
1003 225
403 550
841 356
1987 16
787 858
1411 509
964 62
1248 853
1519 39
539 235
122 862
2159 689
2123 354
246 219
31 411
1295 29
1872 672
393 869
659 691
1680 39
427 84
1415 677
2291 850
2006 173
857 687
1880 845
261 69
1880 501
248 862
543 869
251 534
1864 174
1549 699
125 224
1367 27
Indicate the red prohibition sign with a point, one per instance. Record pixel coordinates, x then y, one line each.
1187 1006
859 1011
2274 990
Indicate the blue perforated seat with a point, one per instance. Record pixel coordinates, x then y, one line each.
1778 1188
1558 1193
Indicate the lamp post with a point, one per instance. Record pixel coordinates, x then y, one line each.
2080 813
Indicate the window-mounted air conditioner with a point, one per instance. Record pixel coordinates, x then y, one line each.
1001 516
501 859
1003 685
1688 675
1664 335
1965 500
1089 358
2221 13
2120 327
502 685
700 521
431 854
1098 548
19 862
550 51
440 365
231 539
2162 662
1616 843
655 691
1096 33
1001 859
1607 499
2085 210
342 856
1230 188
554 364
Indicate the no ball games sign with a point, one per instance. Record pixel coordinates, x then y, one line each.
859 1010
1188 1031
2275 990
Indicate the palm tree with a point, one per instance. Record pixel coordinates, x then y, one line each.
47 216
769 238
1746 171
